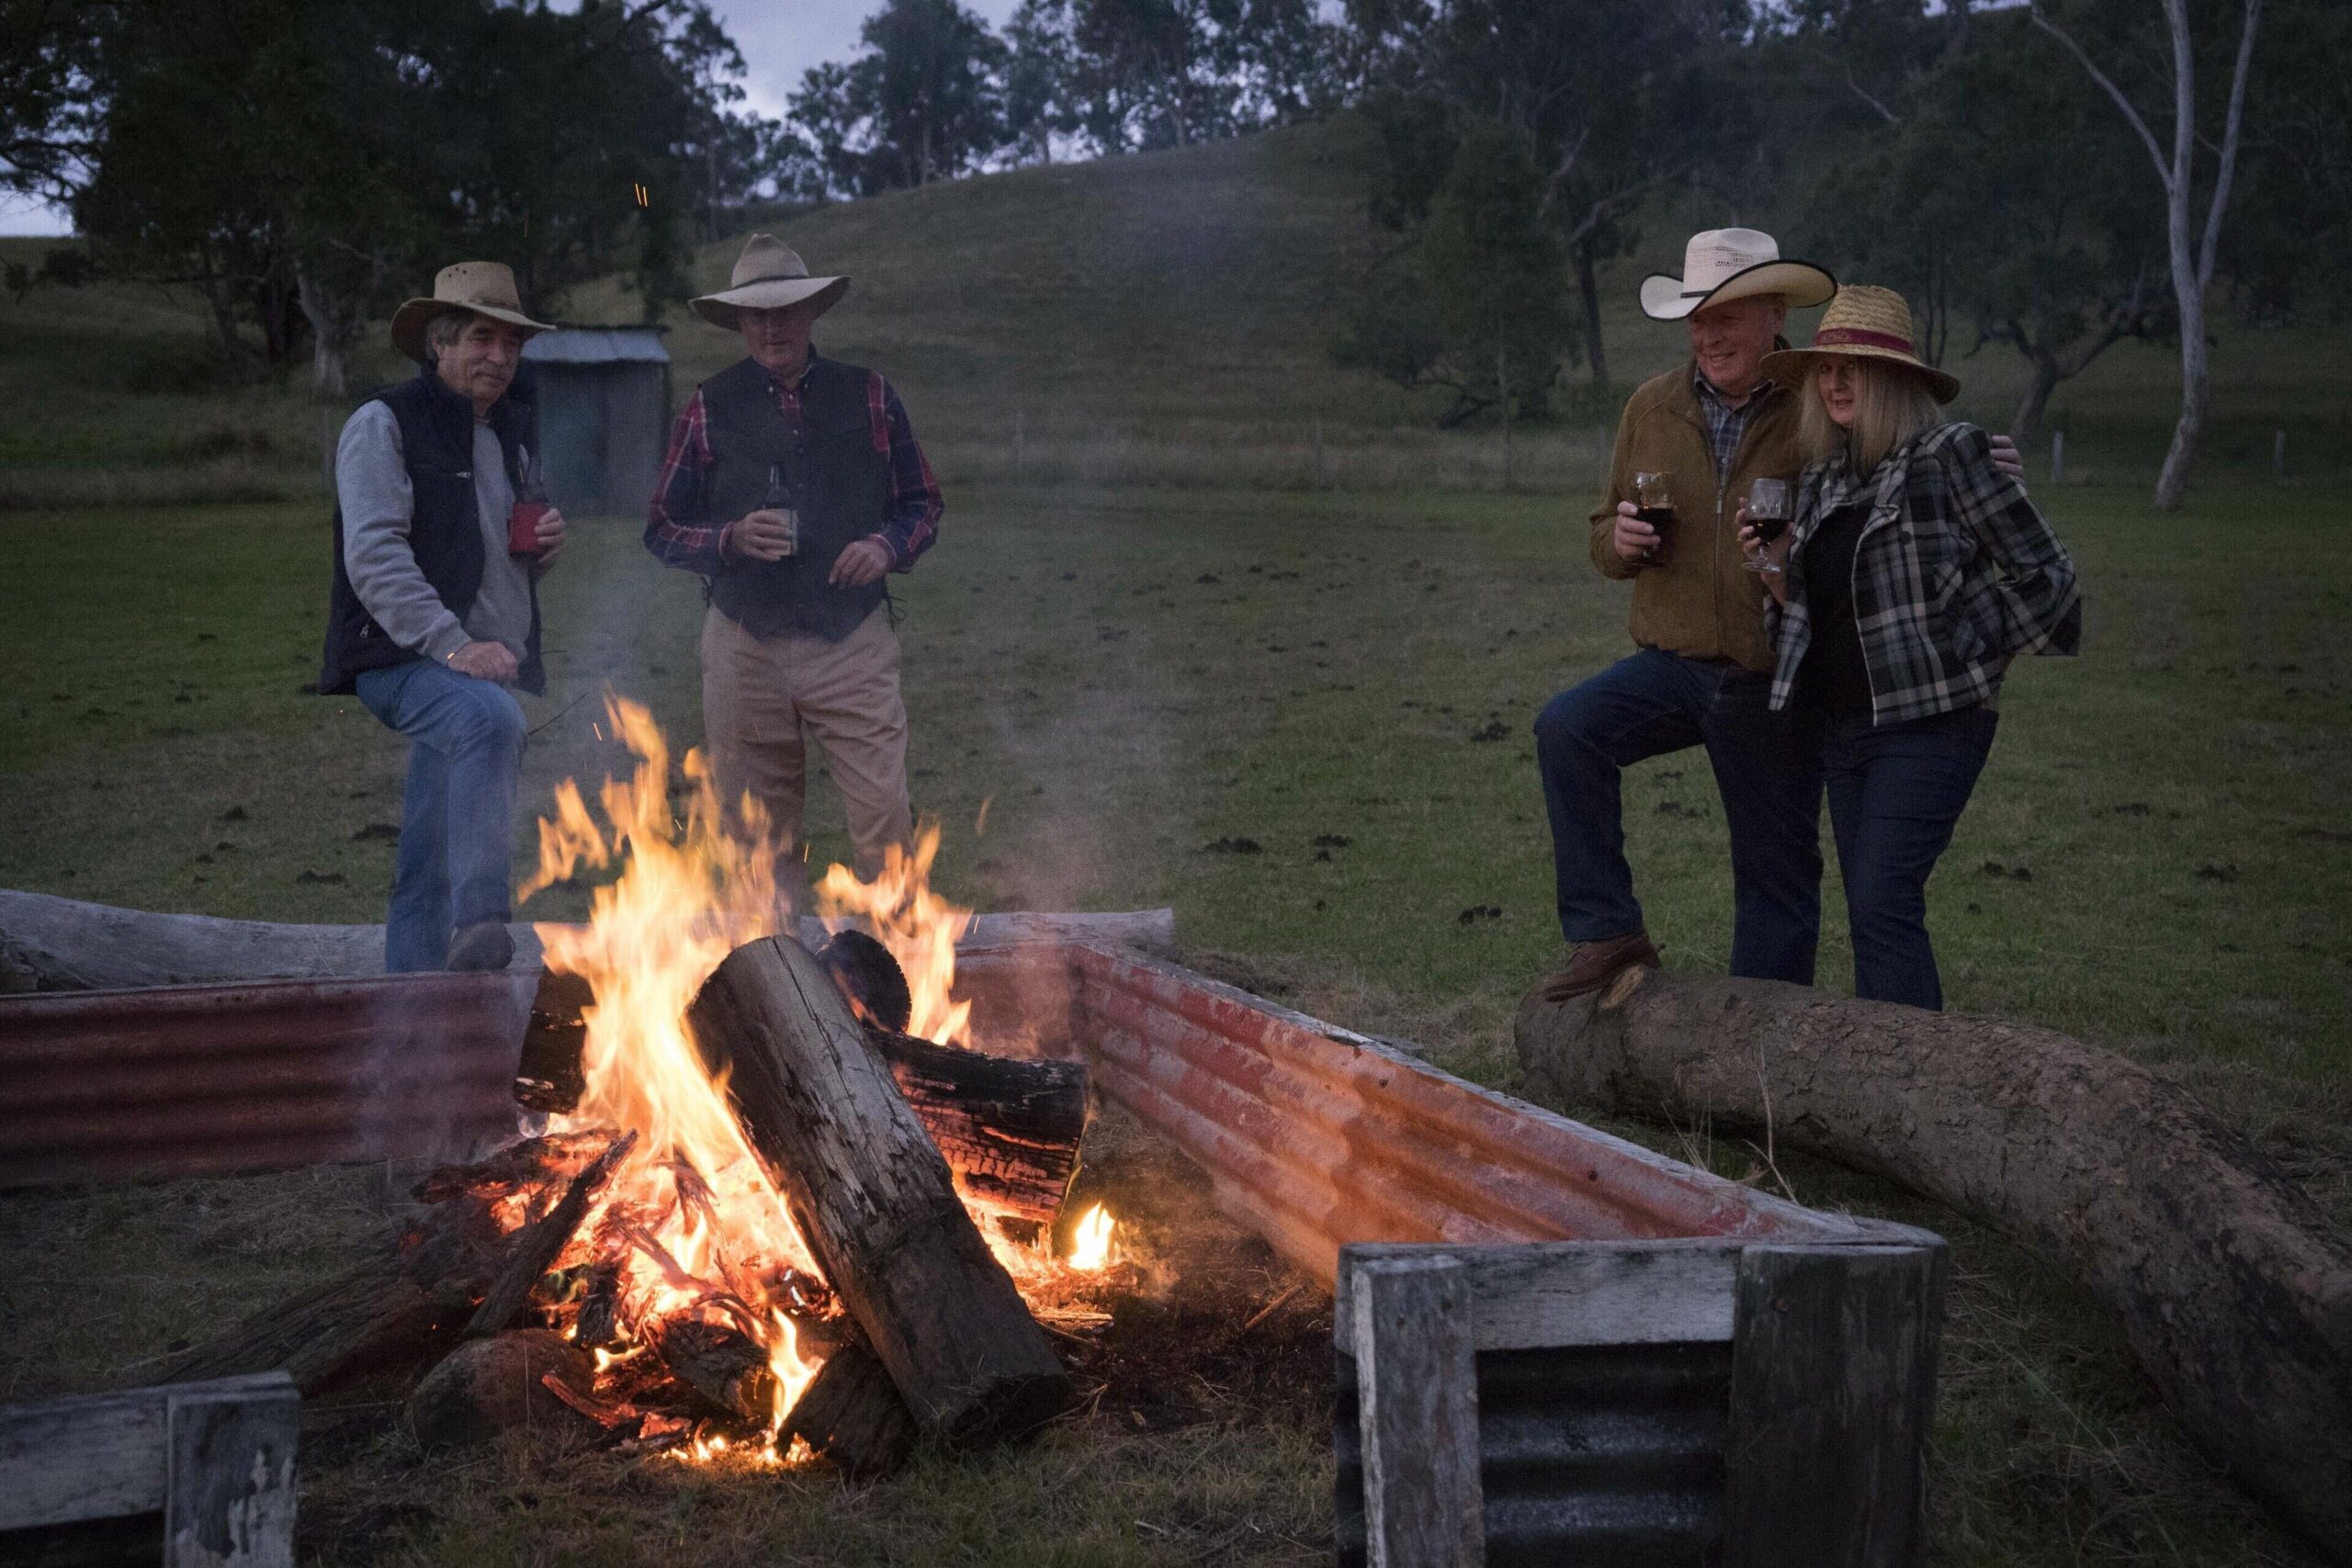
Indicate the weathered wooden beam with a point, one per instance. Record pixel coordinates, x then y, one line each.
64 944
1412 1328
1832 1397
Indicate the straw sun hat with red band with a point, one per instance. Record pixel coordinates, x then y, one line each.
1863 322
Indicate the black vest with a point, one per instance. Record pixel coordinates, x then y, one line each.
838 483
438 444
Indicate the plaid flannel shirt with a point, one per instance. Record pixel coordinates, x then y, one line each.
1726 425
680 532
1955 574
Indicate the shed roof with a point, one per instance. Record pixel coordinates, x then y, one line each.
597 345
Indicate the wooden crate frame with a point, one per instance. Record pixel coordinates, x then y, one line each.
1832 1355
215 1458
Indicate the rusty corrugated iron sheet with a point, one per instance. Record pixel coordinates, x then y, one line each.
1317 1137
188 1081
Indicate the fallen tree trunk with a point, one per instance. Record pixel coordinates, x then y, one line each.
64 944
2234 1288
872 1197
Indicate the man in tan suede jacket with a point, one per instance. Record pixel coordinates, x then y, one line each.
1701 673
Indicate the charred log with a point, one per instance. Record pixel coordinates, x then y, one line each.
2234 1288
871 980
872 1196
851 1414
724 1368
1010 1128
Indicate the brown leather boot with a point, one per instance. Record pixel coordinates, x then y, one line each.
1592 965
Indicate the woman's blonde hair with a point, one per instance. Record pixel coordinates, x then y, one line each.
1890 406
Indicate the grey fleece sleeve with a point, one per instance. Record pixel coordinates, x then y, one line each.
371 484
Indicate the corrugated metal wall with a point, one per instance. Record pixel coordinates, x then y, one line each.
1599 1456
189 1081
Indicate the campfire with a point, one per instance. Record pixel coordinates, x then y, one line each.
667 1258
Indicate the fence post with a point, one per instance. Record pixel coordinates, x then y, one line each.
2057 456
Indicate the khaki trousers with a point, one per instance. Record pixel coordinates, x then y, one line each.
757 700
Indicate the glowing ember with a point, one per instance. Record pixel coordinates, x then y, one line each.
1091 1248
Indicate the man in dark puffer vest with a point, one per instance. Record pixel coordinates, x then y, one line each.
431 618
793 484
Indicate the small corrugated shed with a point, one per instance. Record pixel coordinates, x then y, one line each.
603 398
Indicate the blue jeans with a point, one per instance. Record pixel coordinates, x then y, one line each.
1766 770
1895 793
457 812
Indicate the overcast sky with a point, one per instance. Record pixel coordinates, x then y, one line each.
780 39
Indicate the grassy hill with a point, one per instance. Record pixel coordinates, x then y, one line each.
1162 319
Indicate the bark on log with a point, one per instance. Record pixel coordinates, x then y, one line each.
2234 1288
851 1414
485 1387
872 1196
541 1242
64 944
414 1295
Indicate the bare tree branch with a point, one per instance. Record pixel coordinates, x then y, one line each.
2229 146
2130 114
1855 87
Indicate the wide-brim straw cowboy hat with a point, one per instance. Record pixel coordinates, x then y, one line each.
486 289
1733 264
1863 322
768 275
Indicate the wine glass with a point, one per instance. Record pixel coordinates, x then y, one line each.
1768 513
1653 505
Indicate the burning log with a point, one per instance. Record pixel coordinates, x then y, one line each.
2234 1288
599 1321
872 1196
724 1368
1010 1128
852 1415
542 1241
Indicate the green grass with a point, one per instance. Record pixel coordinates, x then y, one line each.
1067 663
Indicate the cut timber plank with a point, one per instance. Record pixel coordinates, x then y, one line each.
872 1196
1833 1359
1541 1295
1423 1503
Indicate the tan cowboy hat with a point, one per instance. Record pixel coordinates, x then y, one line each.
1733 264
769 275
486 289
1863 322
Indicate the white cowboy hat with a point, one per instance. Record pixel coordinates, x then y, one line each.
486 289
769 275
1733 264
1864 323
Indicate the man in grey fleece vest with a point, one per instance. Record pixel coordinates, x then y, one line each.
434 617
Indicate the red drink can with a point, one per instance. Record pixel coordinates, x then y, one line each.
523 527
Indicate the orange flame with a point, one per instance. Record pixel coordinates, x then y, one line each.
917 925
1091 1250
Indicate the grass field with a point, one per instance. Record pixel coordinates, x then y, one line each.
1158 635
1130 677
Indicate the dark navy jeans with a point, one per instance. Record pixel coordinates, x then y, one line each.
1767 769
457 812
1895 793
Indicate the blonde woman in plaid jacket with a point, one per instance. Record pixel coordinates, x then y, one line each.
1913 570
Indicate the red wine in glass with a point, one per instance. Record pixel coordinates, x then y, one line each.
1653 505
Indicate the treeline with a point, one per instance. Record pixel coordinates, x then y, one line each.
2047 178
